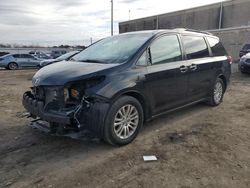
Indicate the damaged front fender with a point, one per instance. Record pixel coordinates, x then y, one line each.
93 115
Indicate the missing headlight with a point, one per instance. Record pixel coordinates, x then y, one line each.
71 94
74 91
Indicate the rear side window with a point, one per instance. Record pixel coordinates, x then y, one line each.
216 47
165 49
195 47
26 56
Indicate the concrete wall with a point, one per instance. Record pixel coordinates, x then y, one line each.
233 39
235 13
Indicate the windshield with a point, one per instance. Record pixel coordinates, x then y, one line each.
66 56
116 49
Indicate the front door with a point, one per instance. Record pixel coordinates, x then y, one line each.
33 61
24 61
167 76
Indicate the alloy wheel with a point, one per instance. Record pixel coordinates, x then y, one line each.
126 121
13 66
218 92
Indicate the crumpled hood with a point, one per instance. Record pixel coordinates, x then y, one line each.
67 71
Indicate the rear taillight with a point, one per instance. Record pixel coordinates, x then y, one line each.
230 59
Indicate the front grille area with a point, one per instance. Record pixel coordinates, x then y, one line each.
49 95
39 109
38 93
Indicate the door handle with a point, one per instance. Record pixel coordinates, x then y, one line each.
193 67
183 69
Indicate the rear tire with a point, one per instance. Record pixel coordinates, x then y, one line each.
217 93
124 121
12 66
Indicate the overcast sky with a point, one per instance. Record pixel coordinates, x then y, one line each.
54 22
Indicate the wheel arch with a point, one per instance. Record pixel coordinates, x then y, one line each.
12 62
138 96
223 78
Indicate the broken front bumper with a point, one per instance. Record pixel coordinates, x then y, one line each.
36 108
90 115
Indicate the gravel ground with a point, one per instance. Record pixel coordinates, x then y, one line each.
199 146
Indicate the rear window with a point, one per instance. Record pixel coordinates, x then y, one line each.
216 47
195 47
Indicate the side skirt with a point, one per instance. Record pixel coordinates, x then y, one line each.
178 108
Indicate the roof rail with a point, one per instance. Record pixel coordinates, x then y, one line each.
198 31
193 30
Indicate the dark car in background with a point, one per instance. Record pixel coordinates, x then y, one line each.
64 57
114 86
16 61
245 49
244 64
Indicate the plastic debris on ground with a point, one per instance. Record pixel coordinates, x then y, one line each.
149 158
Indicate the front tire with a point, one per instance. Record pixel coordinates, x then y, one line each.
124 121
217 93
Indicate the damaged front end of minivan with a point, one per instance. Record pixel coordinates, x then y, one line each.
68 108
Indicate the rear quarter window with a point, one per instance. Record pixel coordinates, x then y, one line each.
195 47
216 47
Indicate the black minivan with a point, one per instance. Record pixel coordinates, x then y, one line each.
118 83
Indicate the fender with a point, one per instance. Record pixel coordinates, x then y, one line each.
119 83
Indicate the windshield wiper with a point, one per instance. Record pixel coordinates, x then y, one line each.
72 59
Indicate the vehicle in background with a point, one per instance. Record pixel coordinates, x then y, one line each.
244 50
40 55
16 61
56 53
244 64
3 53
118 83
64 57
